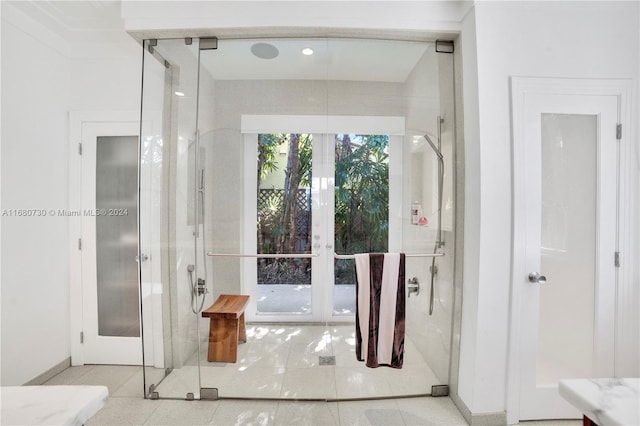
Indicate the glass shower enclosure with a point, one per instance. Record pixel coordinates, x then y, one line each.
265 164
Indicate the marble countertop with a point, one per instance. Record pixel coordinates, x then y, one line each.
50 405
608 402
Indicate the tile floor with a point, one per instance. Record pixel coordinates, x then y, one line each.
282 362
126 407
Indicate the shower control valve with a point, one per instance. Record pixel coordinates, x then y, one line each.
201 287
413 286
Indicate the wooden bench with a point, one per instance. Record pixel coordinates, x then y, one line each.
226 327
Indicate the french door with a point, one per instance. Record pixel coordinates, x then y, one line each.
308 197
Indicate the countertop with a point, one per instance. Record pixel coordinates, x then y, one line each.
608 402
50 405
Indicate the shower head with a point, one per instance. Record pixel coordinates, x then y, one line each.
434 147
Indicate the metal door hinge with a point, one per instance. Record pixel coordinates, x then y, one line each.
619 131
208 43
439 390
152 43
617 259
209 394
444 46
82 337
79 149
79 243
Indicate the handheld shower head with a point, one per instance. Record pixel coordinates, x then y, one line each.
434 147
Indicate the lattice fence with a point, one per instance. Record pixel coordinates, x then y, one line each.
270 206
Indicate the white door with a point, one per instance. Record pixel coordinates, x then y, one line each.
345 200
565 198
110 290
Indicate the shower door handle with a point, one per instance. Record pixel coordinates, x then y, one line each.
535 277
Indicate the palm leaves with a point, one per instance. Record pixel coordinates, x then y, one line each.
361 193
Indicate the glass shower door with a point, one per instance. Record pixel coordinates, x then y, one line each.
168 228
261 207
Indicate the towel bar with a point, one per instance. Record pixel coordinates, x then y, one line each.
351 256
307 255
267 256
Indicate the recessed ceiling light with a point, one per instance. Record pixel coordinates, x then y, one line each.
264 50
307 51
179 94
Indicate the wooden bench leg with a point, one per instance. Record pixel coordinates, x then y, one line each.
223 339
242 330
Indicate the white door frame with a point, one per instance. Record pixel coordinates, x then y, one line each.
319 125
626 341
77 120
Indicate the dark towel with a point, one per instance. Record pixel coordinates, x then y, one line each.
380 309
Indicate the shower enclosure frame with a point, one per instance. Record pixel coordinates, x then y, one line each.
452 130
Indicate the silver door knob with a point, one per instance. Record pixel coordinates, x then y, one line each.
535 277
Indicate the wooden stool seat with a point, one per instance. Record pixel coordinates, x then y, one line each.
226 327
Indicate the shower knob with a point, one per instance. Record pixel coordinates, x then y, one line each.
535 277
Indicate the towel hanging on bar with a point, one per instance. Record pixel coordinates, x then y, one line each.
352 256
380 309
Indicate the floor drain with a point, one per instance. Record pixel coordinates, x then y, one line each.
327 360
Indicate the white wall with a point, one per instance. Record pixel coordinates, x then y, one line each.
35 267
43 78
574 40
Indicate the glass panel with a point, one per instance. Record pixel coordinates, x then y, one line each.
268 212
361 206
412 81
284 222
565 346
168 266
116 242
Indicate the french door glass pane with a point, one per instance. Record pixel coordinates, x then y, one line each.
284 222
361 207
116 236
565 346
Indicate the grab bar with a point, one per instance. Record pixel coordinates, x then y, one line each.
267 256
352 256
307 255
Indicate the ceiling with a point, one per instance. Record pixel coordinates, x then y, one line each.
70 19
88 21
332 59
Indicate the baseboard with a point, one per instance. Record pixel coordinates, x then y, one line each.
53 371
498 418
484 419
461 406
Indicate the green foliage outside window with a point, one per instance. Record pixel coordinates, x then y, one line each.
361 203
